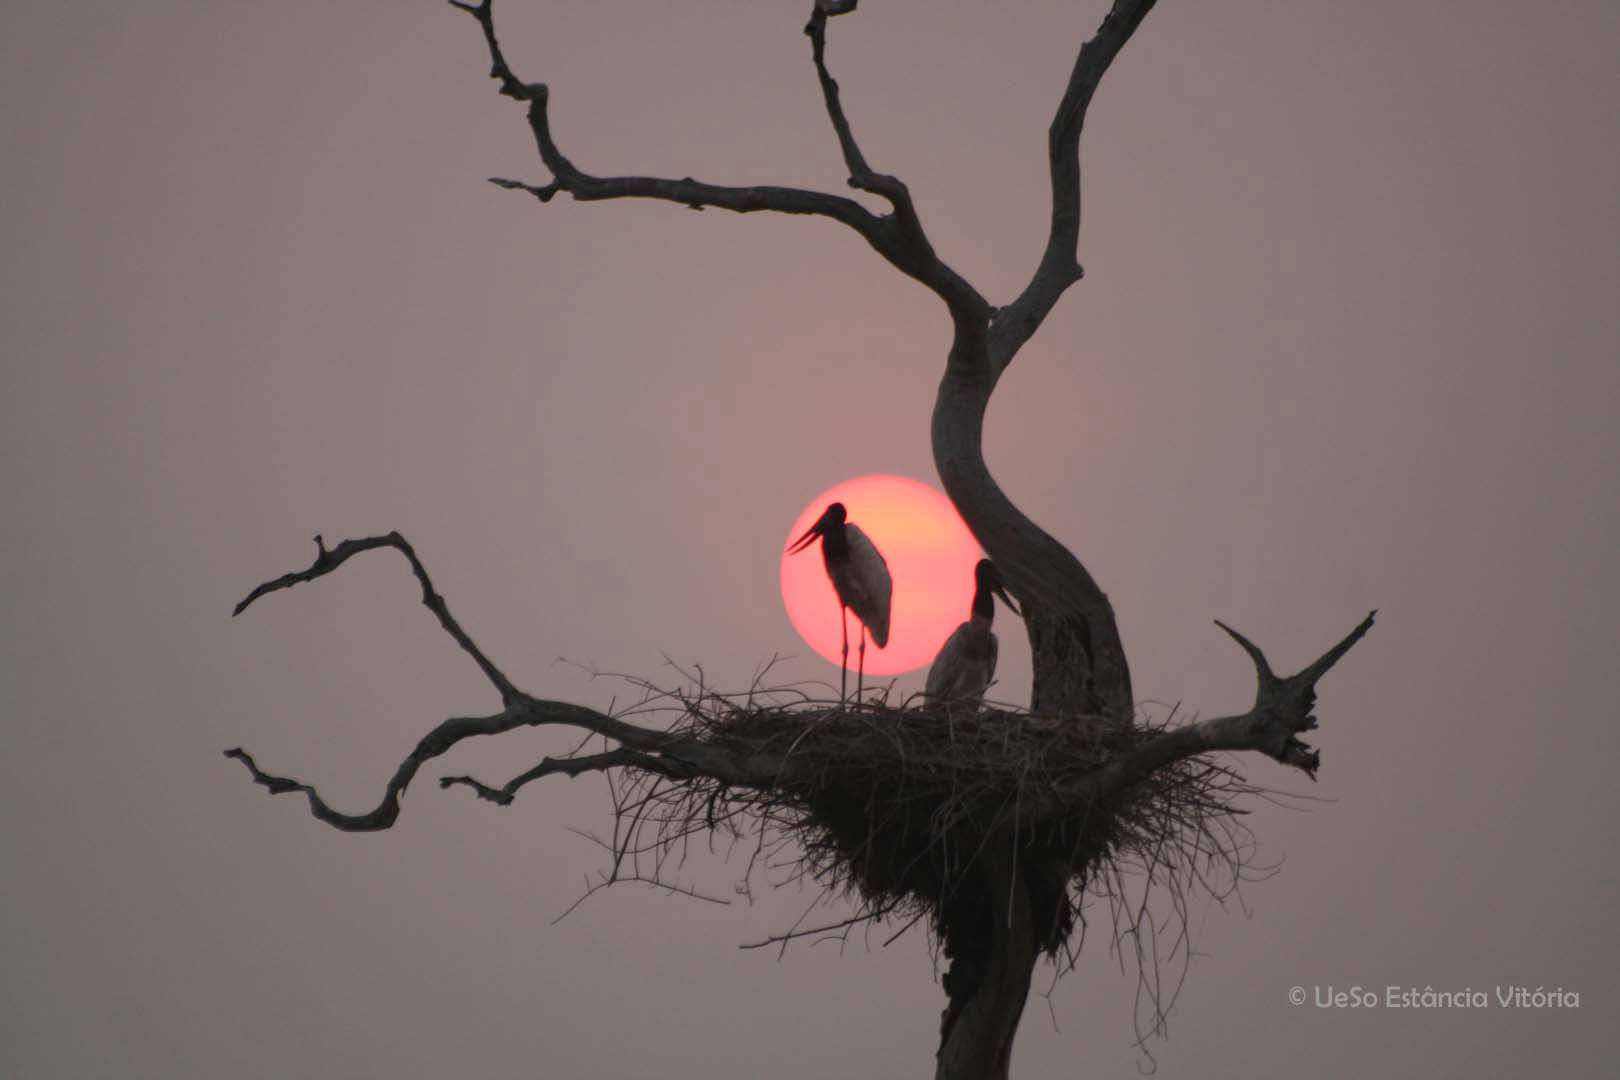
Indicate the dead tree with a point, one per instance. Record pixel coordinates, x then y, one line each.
992 827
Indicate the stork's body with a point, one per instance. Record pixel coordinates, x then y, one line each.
861 579
967 661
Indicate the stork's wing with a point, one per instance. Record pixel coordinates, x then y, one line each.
873 588
965 664
945 676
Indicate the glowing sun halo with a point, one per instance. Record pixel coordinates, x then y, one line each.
930 555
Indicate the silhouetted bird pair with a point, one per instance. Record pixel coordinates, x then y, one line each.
966 662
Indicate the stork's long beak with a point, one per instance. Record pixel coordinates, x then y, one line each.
1005 599
804 541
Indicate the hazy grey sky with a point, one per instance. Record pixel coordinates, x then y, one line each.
1347 340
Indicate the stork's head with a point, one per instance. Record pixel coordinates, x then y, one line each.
830 519
986 580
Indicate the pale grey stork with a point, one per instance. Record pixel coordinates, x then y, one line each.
967 661
861 579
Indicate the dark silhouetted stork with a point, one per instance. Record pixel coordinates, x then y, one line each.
967 661
861 579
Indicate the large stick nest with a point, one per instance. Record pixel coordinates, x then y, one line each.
894 806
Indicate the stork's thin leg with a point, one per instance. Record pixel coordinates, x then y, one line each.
843 665
860 674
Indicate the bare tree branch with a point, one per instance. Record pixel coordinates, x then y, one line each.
897 237
839 930
327 561
861 175
1282 711
1058 268
687 192
611 879
654 751
571 767
499 69
1261 666
526 712
386 812
910 240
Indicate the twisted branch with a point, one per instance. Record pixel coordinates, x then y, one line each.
328 561
571 767
687 192
1282 711
640 747
898 237
910 250
1058 268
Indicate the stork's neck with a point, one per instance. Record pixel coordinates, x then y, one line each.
984 604
835 544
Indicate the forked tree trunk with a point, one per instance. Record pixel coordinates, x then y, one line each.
1079 670
977 1033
